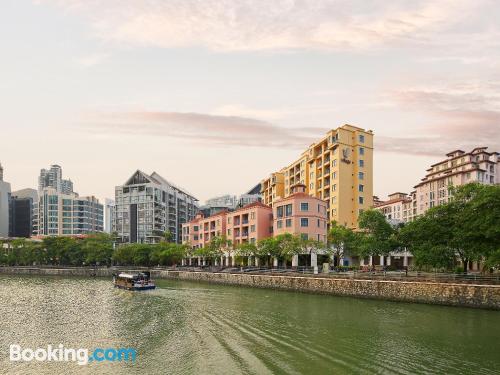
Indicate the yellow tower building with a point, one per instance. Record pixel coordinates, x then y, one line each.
338 169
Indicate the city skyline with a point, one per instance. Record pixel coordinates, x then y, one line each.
103 89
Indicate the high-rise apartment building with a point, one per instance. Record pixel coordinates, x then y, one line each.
52 178
23 213
337 169
4 205
109 215
147 206
68 214
459 168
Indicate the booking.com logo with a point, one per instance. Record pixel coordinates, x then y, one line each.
80 356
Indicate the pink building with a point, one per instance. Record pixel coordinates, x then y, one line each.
200 231
250 223
301 214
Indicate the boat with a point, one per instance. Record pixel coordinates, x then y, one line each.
134 281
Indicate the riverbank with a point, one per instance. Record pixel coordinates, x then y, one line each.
451 294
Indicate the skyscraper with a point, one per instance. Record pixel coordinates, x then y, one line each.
147 206
4 205
338 169
53 178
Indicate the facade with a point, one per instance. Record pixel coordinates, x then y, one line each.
459 168
397 209
201 230
250 223
337 169
147 206
23 213
4 205
52 178
68 214
109 212
301 214
217 204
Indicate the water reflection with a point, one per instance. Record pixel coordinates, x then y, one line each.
189 328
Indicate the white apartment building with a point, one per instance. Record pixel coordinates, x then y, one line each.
4 205
458 169
148 206
68 214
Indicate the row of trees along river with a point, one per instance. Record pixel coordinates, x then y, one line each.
465 229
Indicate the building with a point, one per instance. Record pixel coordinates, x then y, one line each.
62 214
147 206
52 178
459 168
197 233
109 213
337 169
397 209
251 196
218 204
301 214
23 211
250 223
4 205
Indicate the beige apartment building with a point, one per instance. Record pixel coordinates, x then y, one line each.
399 208
459 168
337 169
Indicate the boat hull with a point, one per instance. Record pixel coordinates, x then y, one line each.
136 288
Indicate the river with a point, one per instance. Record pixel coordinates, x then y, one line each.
194 328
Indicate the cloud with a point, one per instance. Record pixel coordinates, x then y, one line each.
91 60
203 129
467 115
467 131
250 25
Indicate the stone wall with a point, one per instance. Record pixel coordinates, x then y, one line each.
453 294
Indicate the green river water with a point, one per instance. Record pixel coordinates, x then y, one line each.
194 328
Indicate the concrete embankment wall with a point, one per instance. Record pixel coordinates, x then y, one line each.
453 294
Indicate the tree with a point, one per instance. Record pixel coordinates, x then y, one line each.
245 249
167 236
124 254
98 248
268 248
341 240
376 236
289 245
467 228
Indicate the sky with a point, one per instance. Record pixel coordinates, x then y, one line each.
216 95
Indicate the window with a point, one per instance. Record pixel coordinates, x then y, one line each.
304 236
288 223
288 210
361 200
229 232
361 163
304 222
229 220
361 175
361 151
195 228
252 228
304 206
361 188
279 211
334 162
361 138
334 187
334 175
279 223
319 223
252 215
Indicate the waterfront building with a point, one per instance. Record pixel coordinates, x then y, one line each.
197 233
398 208
459 168
250 223
109 212
147 206
337 169
4 205
52 178
301 214
23 211
62 214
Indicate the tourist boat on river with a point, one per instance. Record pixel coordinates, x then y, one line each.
134 281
